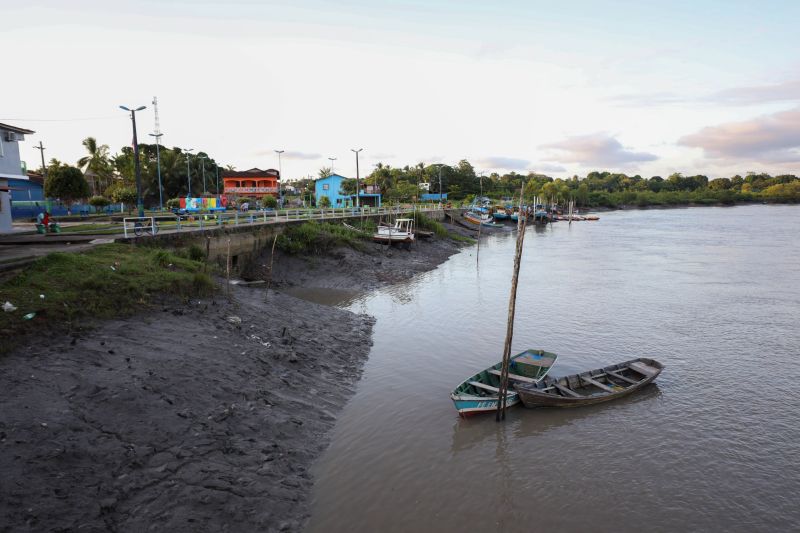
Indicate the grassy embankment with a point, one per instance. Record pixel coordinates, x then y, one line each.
108 281
314 238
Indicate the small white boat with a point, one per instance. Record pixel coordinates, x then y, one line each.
402 231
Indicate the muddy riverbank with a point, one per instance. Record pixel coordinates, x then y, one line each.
199 416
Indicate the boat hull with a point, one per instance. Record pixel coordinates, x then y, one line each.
480 393
544 393
467 406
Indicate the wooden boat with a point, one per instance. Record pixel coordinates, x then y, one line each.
500 213
402 231
480 393
480 219
587 388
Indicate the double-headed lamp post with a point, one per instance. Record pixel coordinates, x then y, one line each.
280 174
358 190
158 168
331 159
188 170
136 167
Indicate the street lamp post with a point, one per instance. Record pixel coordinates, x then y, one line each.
216 166
204 172
331 159
188 170
136 167
358 190
158 168
280 174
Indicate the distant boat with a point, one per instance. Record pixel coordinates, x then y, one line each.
480 219
588 388
480 393
402 231
500 213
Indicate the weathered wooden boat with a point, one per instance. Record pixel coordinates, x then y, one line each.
587 388
402 231
480 393
480 219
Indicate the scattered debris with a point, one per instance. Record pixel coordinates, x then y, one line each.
8 307
234 319
29 316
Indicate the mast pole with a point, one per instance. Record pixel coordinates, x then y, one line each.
512 304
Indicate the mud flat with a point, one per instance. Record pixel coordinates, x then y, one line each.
198 417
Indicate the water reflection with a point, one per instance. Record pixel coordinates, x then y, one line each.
526 423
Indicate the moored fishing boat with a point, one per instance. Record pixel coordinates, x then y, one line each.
402 231
500 213
480 393
587 388
480 219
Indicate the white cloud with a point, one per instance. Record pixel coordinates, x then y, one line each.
596 149
772 138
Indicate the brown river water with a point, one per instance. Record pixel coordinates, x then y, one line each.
714 445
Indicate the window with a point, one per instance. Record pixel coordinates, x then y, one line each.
2 154
326 186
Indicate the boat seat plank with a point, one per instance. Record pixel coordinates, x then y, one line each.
643 369
620 376
515 377
597 384
484 386
565 390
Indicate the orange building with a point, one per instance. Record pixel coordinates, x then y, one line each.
255 183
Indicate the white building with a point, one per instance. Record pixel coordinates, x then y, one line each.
10 168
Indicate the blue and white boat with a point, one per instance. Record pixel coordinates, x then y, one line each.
480 393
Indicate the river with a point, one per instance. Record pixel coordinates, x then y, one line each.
713 293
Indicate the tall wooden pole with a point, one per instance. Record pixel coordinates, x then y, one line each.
480 223
522 221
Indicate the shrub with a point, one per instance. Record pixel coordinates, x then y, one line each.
324 202
99 201
269 202
196 253
173 203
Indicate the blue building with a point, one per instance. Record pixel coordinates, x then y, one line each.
332 188
11 169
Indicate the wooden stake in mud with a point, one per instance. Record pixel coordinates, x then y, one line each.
480 223
228 269
271 259
522 220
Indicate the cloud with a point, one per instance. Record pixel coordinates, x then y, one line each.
547 167
596 149
773 138
505 163
785 91
290 154
759 94
381 156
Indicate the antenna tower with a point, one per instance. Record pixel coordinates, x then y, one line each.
155 111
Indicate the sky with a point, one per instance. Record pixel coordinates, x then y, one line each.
642 87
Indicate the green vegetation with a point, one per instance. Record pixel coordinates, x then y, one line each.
270 202
315 238
596 189
66 183
99 201
108 281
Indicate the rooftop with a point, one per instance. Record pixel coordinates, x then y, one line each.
15 129
252 173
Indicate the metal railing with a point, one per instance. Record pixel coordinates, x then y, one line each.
209 221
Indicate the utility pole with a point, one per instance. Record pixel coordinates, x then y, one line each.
358 189
158 135
44 168
204 172
137 167
188 170
217 167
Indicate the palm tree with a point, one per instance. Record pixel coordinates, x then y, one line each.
97 164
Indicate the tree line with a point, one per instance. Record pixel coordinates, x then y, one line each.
111 177
596 189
